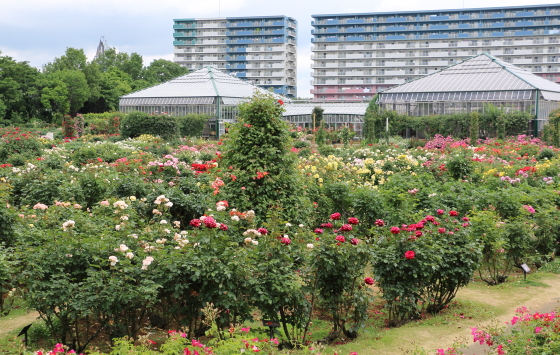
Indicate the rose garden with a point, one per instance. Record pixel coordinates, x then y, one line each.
269 240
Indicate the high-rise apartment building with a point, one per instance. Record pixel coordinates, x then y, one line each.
356 55
261 50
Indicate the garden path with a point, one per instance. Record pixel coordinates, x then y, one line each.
536 299
16 323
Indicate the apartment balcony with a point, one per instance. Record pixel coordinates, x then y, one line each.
255 32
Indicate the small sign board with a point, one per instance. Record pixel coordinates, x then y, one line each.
525 268
271 323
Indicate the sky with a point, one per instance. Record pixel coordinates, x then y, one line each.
38 31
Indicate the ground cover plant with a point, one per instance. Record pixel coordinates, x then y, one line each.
109 238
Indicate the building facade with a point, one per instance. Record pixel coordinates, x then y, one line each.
357 55
260 50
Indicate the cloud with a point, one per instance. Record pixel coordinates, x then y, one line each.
304 71
17 13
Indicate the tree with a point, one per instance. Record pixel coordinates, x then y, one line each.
18 90
129 64
54 97
475 128
162 70
258 150
73 59
371 120
69 83
318 112
114 84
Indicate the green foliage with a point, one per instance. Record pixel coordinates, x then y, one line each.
551 130
258 149
137 123
19 91
372 121
67 90
16 141
495 266
93 152
103 123
345 134
301 144
192 125
420 268
161 70
318 113
320 136
474 127
546 153
460 167
338 263
501 126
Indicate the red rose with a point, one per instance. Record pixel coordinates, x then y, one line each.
210 222
318 231
430 218
335 216
285 240
395 230
353 220
281 102
327 225
354 241
346 228
224 227
195 223
453 213
340 238
262 231
379 223
441 230
410 254
440 212
369 281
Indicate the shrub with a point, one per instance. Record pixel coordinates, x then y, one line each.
460 167
15 141
474 128
258 147
421 266
107 152
137 123
545 153
301 144
338 262
192 125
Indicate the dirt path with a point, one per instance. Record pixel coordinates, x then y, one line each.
536 299
8 323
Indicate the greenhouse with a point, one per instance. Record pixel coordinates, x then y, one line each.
214 93
473 85
206 91
335 114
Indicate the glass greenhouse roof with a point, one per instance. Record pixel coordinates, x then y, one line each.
330 108
198 87
482 77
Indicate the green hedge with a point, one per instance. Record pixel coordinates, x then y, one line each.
103 123
192 125
137 123
456 125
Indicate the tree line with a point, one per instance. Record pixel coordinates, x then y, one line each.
71 84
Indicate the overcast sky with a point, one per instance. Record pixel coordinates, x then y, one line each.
37 31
